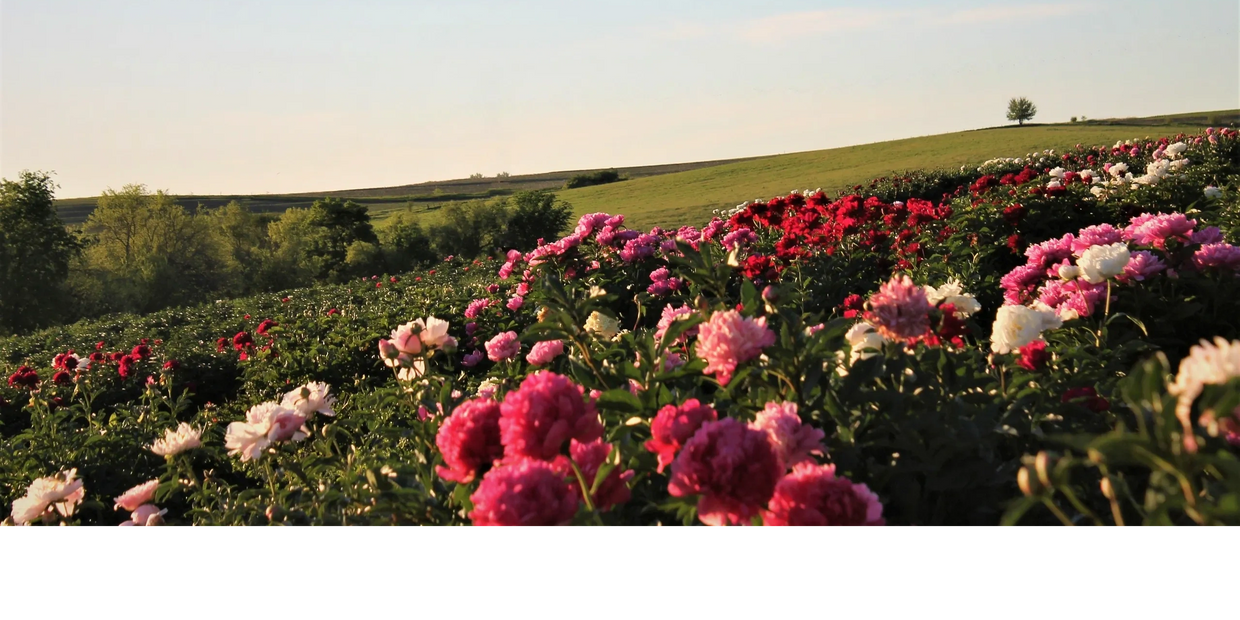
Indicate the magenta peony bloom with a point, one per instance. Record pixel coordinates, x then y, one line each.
476 307
900 311
503 346
794 442
540 416
1208 235
1033 356
543 352
469 440
527 492
729 339
1141 265
1217 255
813 495
589 457
1050 252
732 466
673 426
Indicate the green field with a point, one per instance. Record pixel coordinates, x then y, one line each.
687 193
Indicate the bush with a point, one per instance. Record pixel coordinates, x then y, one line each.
35 253
587 179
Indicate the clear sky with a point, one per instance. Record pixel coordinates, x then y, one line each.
225 96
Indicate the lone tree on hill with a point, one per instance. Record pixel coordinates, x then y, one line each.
1021 110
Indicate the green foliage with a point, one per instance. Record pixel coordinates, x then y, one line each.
598 177
533 216
35 252
1021 110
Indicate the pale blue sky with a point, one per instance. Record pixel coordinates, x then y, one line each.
228 96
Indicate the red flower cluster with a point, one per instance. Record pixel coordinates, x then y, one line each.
25 377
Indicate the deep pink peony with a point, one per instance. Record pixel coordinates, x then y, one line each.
813 495
540 416
1095 235
900 311
503 346
1141 265
542 353
469 440
1218 256
673 426
1155 230
734 469
729 339
589 457
527 492
794 441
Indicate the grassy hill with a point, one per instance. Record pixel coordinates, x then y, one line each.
675 194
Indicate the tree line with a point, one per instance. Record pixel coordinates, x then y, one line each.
140 251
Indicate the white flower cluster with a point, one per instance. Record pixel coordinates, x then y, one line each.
1017 326
953 293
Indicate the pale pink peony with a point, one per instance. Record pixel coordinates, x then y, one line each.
900 311
794 441
141 494
527 492
45 497
543 414
503 346
673 426
542 353
589 457
311 398
813 495
469 440
183 437
146 515
734 469
671 314
405 338
730 339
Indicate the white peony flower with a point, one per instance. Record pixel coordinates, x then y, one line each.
597 291
1069 272
435 333
1056 172
864 342
1118 170
1102 262
246 440
1017 326
1178 165
312 398
1213 193
1175 150
603 325
953 293
183 437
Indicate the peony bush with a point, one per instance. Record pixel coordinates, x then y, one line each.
993 345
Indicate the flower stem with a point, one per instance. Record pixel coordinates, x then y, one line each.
585 489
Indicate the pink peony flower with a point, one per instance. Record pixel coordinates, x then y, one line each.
589 457
900 311
673 426
1050 252
405 339
540 416
469 440
1095 235
734 469
503 346
476 307
813 495
794 442
146 515
141 494
1156 230
542 353
1218 256
729 339
515 303
1208 235
527 492
1141 265
670 314
472 359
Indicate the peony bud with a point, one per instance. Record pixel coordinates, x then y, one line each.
1042 464
387 350
1028 484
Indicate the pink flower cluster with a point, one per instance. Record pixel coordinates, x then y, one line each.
900 310
663 283
729 339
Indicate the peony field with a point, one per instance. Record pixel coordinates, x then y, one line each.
1045 340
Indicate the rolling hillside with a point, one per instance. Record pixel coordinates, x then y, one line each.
675 194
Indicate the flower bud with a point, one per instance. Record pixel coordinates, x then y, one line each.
387 350
1042 465
1028 484
1108 491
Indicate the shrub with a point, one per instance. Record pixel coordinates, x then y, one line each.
587 179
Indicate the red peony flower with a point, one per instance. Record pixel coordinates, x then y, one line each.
540 416
469 440
853 306
220 345
265 325
673 426
734 469
126 367
1033 356
242 341
172 365
24 377
812 495
1087 397
141 352
527 492
62 378
589 457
